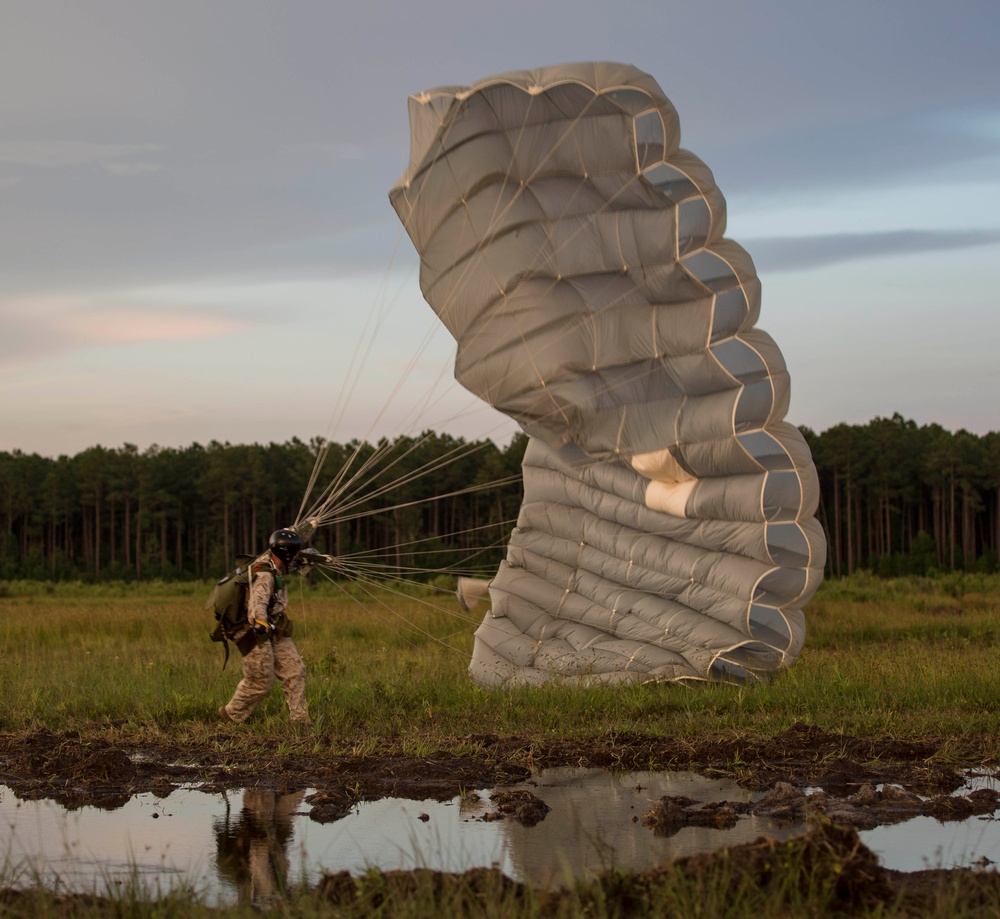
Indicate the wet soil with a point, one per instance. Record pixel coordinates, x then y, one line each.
835 783
805 771
77 770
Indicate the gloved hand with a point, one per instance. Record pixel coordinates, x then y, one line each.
261 627
312 557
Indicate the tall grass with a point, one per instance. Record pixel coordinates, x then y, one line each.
903 659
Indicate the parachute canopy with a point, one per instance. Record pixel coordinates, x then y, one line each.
576 254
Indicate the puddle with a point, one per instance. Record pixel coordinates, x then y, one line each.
245 845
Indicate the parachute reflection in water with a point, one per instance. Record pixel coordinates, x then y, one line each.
577 256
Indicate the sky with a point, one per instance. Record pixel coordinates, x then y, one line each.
196 242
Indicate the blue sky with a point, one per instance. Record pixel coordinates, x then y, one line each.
197 242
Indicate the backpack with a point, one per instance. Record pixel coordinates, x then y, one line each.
228 601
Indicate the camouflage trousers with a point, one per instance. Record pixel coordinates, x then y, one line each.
275 658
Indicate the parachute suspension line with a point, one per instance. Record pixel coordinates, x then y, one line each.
353 376
332 507
419 408
392 573
340 512
450 456
356 497
374 557
328 497
376 576
336 487
373 326
373 584
469 490
389 615
301 619
339 506
387 576
468 553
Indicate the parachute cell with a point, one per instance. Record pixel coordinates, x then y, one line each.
576 254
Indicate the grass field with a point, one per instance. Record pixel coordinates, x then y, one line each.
903 658
906 659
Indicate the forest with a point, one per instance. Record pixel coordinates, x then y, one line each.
166 513
896 498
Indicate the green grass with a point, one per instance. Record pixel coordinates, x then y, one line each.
911 659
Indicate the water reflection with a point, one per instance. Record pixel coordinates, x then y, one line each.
252 846
251 851
595 824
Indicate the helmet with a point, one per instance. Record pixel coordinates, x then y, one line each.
285 544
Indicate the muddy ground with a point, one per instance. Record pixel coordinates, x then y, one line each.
75 770
804 773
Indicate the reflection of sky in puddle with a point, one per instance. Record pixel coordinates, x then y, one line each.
924 842
232 846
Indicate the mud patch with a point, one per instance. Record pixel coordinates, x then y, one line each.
522 806
866 809
76 769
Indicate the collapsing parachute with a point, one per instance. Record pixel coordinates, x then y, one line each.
577 256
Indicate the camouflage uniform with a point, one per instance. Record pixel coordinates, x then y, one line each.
275 655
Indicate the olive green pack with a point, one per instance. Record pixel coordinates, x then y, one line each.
228 601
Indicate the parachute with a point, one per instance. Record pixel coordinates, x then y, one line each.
576 254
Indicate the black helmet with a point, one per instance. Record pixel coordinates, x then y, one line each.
286 544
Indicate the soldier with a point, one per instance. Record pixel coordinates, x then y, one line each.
274 653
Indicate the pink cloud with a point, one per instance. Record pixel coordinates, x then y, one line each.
40 327
121 324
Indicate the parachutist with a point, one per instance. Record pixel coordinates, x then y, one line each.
273 653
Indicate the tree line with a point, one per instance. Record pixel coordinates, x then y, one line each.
896 498
901 498
125 514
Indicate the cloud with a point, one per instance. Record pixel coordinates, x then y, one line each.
947 145
798 253
335 151
62 153
124 325
131 169
40 327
